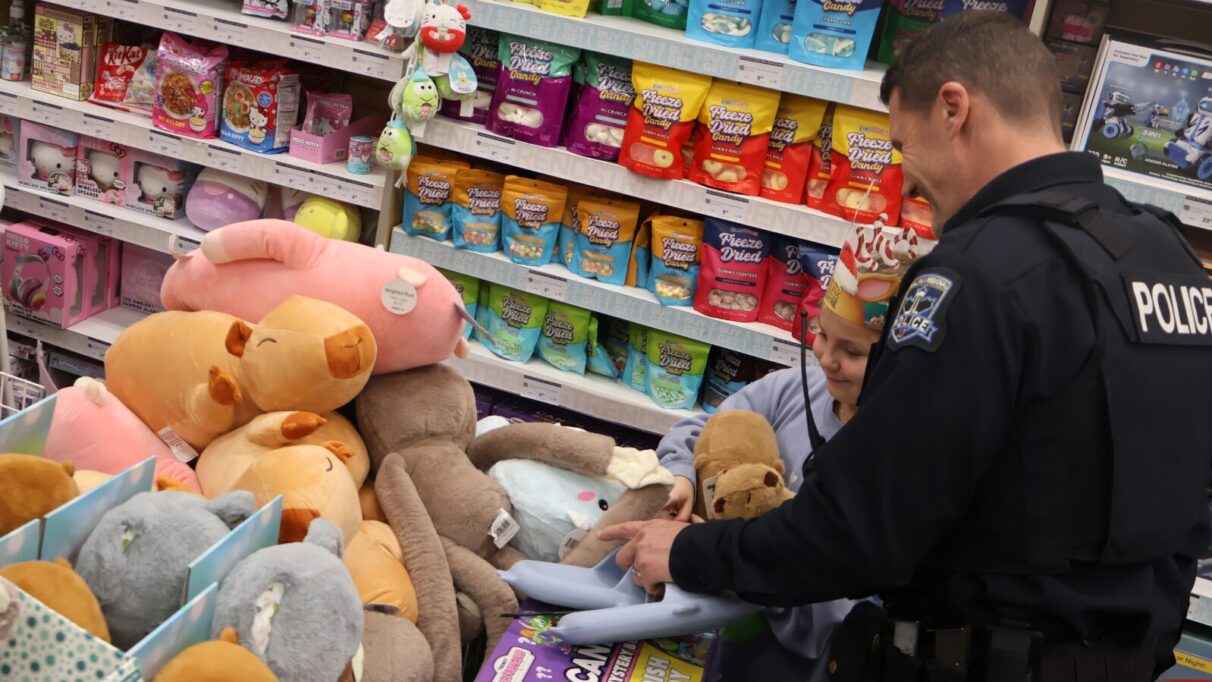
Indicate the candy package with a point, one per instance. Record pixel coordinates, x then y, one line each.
733 23
786 283
469 289
260 105
604 240
727 372
570 224
774 26
327 112
427 197
820 169
614 8
833 34
598 360
565 337
733 275
515 321
598 115
641 257
533 83
904 21
677 245
480 49
667 13
568 8
189 82
736 122
817 263
637 348
674 369
530 220
116 66
866 179
917 214
273 9
141 91
614 335
789 157
659 124
476 212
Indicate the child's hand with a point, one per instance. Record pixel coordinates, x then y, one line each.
681 499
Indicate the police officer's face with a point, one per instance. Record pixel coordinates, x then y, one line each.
928 160
842 348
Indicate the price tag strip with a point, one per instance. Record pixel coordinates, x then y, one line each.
494 147
542 390
785 352
726 206
97 126
546 285
123 9
1196 212
55 115
100 223
57 210
370 63
763 72
179 20
306 49
10 104
182 245
164 143
228 31
326 184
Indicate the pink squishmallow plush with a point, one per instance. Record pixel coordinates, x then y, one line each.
93 429
246 269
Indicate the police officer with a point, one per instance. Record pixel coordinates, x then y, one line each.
1024 483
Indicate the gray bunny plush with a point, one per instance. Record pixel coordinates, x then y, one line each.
135 560
295 606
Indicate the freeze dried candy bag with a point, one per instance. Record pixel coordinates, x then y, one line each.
774 26
917 214
189 81
817 263
599 361
728 372
599 111
568 8
732 23
667 103
637 347
564 342
733 276
786 283
469 289
820 170
641 257
480 48
566 246
866 180
530 220
833 33
515 320
677 245
603 242
674 369
532 88
667 13
791 148
476 212
427 206
735 123
904 21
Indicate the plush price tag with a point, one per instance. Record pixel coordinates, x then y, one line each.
99 223
763 72
370 63
306 49
164 143
785 352
97 126
1196 213
56 210
228 31
223 159
546 285
494 147
725 205
542 390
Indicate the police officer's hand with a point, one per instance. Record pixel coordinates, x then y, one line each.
681 499
647 549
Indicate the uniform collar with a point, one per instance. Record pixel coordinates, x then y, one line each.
1064 168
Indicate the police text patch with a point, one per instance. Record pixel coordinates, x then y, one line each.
1170 309
921 315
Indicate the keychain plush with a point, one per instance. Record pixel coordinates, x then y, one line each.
396 148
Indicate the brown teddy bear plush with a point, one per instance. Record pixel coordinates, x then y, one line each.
729 439
32 487
55 584
748 490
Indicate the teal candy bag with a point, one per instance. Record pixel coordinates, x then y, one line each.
732 23
515 321
774 27
469 288
599 360
833 33
667 13
637 346
565 338
530 219
607 230
674 368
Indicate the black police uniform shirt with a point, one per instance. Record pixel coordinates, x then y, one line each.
991 321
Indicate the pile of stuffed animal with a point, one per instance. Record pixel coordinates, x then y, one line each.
396 514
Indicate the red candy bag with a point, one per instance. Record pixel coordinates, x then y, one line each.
667 101
789 156
866 180
736 122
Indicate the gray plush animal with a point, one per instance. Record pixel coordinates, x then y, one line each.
295 606
135 560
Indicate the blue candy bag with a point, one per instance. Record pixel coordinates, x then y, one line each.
530 221
427 198
599 361
476 210
729 372
733 23
774 26
674 368
637 346
677 246
833 33
605 238
564 342
515 321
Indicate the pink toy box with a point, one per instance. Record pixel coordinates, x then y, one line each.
142 274
47 158
103 170
56 275
10 137
335 145
158 184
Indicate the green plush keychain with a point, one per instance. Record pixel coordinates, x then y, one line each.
396 147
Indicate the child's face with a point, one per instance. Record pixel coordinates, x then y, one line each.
842 347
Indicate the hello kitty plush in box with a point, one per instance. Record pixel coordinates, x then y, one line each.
158 184
103 170
48 158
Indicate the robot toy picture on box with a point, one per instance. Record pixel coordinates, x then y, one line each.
1152 114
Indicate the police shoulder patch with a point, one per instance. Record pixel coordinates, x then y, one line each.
921 318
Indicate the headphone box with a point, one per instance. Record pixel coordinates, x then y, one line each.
42 270
47 158
104 170
143 273
158 184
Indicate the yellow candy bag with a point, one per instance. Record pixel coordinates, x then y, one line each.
730 153
791 147
867 172
667 101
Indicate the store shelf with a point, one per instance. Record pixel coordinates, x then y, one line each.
590 394
628 303
646 42
1190 204
221 21
331 180
118 222
91 337
774 216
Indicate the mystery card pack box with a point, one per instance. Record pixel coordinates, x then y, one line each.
1149 111
525 655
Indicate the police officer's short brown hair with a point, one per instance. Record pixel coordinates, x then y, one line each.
992 53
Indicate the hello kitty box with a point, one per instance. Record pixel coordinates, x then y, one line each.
10 135
47 158
260 105
158 184
103 170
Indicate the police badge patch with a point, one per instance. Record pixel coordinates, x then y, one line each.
919 319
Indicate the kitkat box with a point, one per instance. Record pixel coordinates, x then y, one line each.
525 655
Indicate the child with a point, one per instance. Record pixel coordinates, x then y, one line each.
845 331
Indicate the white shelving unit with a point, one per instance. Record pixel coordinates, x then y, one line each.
669 47
773 216
331 180
628 303
221 21
118 222
91 338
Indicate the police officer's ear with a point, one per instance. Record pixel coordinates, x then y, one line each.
953 104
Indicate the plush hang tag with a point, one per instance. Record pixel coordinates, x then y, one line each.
181 450
462 77
503 529
708 495
571 541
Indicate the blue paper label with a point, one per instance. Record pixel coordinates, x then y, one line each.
834 33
